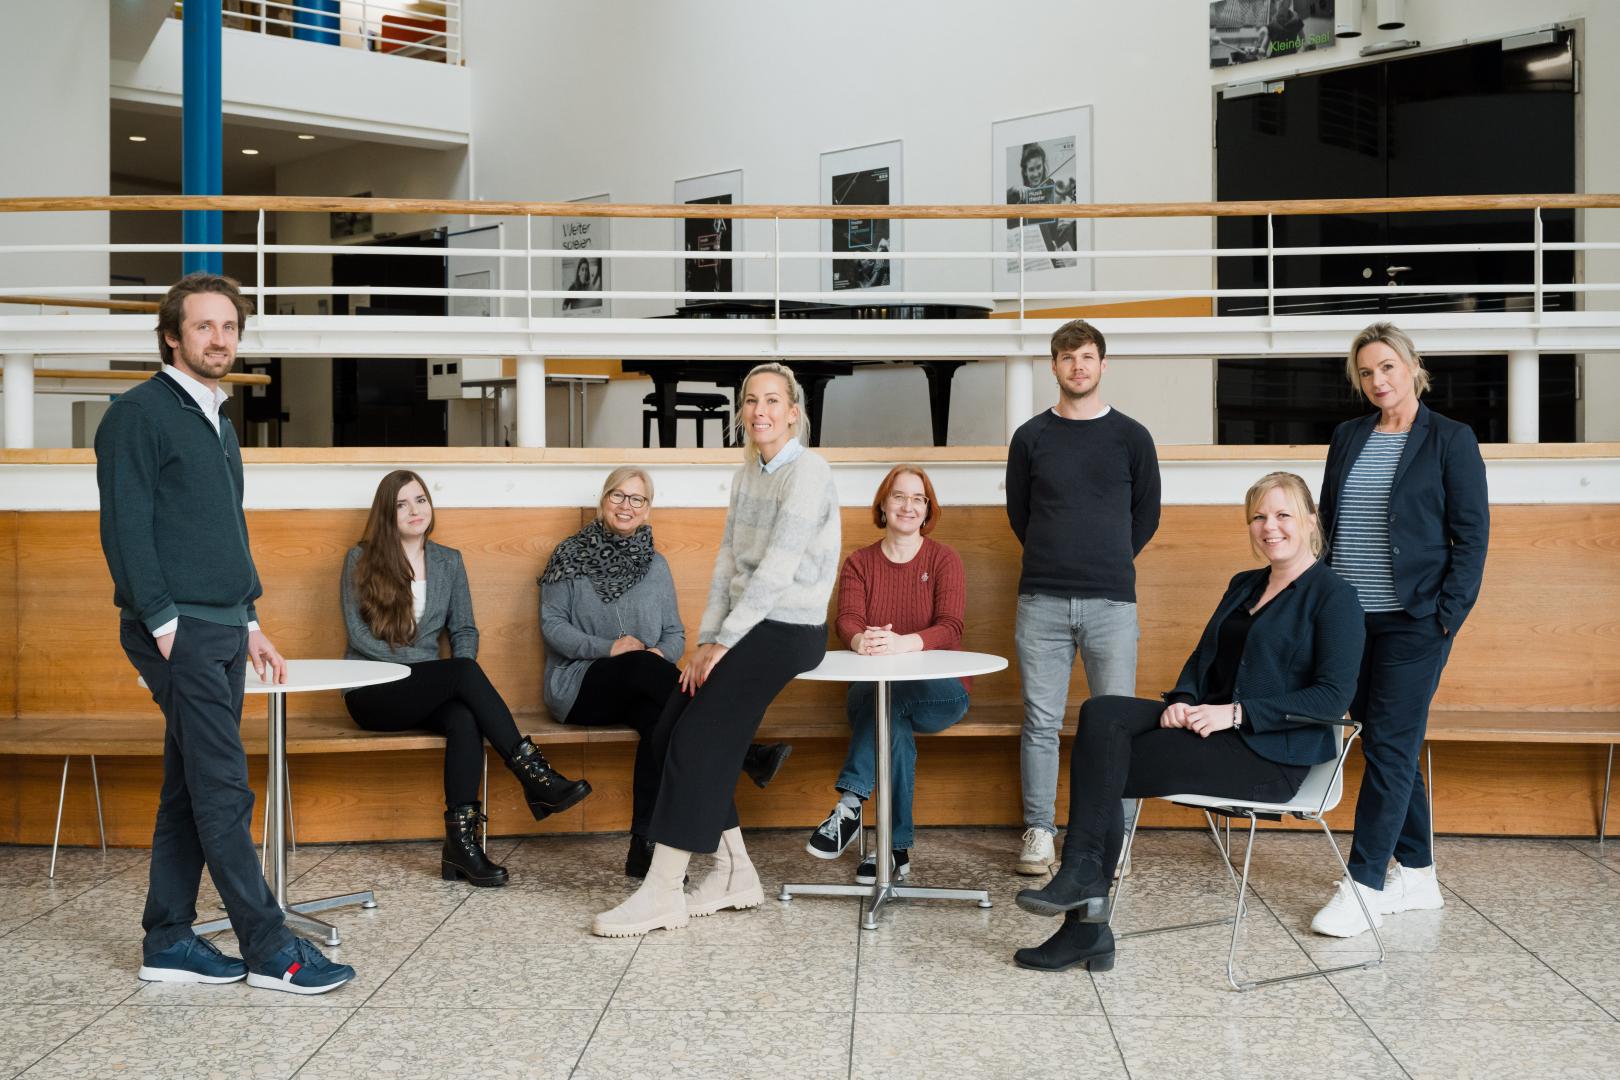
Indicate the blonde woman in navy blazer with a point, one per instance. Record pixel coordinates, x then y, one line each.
1407 517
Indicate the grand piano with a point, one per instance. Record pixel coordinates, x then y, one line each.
813 375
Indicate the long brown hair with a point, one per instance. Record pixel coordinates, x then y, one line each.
382 576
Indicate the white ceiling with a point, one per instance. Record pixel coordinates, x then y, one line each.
156 162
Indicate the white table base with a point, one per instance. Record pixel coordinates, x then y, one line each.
883 890
275 839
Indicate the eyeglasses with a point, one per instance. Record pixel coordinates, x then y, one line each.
897 499
619 498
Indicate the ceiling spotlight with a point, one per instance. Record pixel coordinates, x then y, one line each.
249 151
306 138
137 138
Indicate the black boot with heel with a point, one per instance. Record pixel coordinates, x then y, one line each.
546 790
463 855
1078 886
1075 943
764 760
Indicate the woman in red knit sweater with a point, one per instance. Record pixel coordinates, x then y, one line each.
903 594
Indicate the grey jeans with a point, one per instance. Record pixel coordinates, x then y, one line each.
1049 630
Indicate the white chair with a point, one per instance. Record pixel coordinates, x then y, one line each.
1321 791
61 799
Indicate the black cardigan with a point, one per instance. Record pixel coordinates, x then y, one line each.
1302 658
1439 512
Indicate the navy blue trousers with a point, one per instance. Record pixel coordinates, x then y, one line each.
205 806
1400 671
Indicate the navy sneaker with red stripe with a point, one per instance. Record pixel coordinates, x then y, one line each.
299 969
192 960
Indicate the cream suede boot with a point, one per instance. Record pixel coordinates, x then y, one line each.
733 883
658 905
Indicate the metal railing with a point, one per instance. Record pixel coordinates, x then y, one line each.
428 31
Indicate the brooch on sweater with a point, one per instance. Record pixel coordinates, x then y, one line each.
925 575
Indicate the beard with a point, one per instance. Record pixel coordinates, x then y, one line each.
202 365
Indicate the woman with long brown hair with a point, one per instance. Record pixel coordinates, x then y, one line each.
400 592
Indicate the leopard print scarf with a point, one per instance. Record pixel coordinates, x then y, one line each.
614 564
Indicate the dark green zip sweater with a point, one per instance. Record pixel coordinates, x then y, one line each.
171 509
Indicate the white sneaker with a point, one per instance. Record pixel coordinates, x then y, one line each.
1123 869
1038 856
1342 917
1410 889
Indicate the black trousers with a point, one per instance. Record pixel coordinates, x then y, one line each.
1121 752
1400 671
632 689
453 698
205 807
711 730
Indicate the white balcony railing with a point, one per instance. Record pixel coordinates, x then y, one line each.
422 29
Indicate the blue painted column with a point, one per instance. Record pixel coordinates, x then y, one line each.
203 140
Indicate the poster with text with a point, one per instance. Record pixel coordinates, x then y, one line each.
1242 31
580 271
861 176
708 234
1038 161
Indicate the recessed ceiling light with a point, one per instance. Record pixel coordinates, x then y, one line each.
249 151
137 138
306 138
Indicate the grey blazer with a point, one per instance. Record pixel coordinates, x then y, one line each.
449 607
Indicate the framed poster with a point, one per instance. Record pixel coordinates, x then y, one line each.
581 272
1242 31
1038 160
708 234
861 176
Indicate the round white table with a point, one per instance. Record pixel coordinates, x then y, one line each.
845 666
303 676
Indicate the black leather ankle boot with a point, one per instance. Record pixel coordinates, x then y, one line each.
546 790
463 855
1076 942
764 760
1079 886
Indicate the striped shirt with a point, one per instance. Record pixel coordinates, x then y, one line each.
1361 552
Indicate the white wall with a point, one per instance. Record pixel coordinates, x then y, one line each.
387 172
57 58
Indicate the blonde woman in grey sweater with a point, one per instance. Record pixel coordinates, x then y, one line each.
766 621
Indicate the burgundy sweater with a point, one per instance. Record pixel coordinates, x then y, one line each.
925 596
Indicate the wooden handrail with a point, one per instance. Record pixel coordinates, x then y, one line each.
73 301
322 204
237 378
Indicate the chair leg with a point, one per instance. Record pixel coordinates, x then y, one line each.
61 797
483 791
1603 815
1130 842
101 823
1428 758
1237 914
292 824
1226 851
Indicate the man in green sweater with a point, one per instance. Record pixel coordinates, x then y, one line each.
169 469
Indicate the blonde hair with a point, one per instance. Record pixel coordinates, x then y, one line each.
801 427
619 476
1387 334
1298 494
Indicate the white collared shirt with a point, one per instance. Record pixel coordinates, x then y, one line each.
208 399
784 457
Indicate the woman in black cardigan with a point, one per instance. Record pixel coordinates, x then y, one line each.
1284 640
1408 519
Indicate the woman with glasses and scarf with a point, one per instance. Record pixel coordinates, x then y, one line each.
613 635
903 594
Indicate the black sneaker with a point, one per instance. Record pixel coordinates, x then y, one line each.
835 834
192 960
899 868
299 969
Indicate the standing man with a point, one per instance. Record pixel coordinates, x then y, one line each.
170 473
1083 499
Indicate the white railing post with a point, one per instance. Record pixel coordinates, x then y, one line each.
18 390
776 264
531 401
1271 270
1539 279
1021 282
1524 396
1019 381
258 280
528 265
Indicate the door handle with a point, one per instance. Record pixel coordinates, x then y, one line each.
1393 270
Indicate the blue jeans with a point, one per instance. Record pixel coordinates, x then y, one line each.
927 706
1049 631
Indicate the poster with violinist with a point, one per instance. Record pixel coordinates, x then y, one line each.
1036 162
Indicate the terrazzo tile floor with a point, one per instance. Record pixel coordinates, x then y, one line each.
1518 976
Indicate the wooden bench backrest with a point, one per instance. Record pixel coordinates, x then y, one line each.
1545 635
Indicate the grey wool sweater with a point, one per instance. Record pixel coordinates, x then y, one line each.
579 629
779 553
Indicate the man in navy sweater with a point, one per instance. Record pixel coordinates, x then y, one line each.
1083 499
169 469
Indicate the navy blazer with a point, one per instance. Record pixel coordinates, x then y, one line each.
1302 656
1439 512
